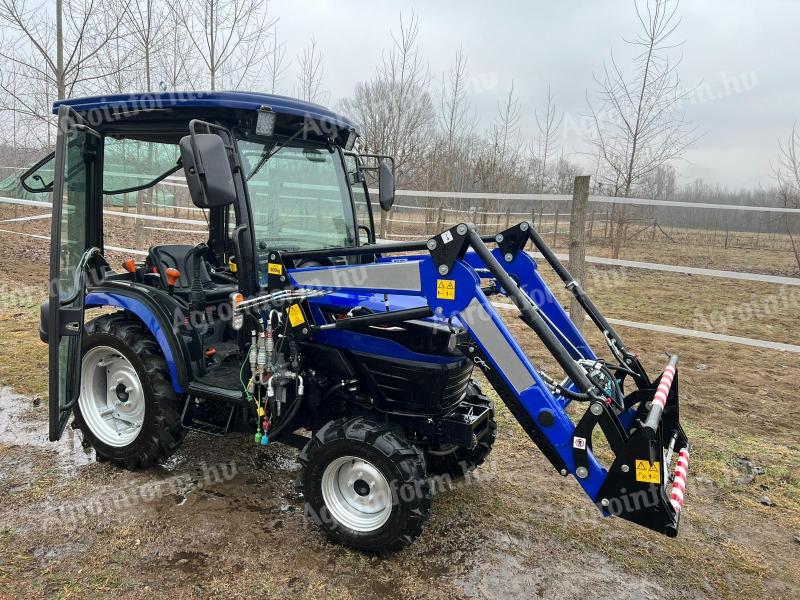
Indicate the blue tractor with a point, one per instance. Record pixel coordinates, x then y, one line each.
292 323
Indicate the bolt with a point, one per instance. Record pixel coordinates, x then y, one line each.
498 238
272 257
509 257
596 408
648 405
523 226
305 330
564 472
604 502
443 269
283 277
461 229
625 468
432 244
439 310
472 348
582 472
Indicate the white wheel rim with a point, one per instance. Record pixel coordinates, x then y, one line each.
112 397
356 493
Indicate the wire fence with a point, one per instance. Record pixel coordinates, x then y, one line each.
761 239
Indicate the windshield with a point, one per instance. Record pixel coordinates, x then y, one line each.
299 197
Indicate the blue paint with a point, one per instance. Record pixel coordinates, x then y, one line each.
96 299
282 105
466 274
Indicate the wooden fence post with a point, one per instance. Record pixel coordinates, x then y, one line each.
555 230
577 243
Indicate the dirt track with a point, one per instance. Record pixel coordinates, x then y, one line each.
234 527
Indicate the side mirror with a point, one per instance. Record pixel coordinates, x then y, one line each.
39 178
208 170
385 185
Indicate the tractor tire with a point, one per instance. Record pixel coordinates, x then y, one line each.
365 485
127 409
457 461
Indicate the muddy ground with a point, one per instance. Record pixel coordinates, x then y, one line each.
221 517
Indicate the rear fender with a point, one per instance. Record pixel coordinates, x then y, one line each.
157 320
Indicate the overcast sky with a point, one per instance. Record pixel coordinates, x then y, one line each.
744 53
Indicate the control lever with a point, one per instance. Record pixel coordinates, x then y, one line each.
172 278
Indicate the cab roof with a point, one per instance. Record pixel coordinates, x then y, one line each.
146 107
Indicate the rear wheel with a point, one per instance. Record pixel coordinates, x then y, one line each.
457 461
127 409
365 485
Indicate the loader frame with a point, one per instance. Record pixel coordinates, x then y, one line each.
642 430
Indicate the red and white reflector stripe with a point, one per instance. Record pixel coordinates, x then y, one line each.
664 385
679 480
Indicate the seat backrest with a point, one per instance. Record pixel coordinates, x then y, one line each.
174 255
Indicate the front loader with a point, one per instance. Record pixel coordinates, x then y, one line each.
293 324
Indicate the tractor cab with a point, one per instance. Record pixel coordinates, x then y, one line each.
230 240
299 186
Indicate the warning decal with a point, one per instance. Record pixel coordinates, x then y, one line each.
446 289
274 268
296 315
579 442
648 473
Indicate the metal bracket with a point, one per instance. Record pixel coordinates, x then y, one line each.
513 239
448 246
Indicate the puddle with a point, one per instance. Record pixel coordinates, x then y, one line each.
20 427
516 567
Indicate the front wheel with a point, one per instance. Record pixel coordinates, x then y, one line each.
127 409
364 484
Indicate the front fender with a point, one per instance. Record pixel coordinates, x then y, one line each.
156 321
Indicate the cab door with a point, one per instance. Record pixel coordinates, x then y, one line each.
76 172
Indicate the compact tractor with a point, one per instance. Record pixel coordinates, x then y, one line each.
294 324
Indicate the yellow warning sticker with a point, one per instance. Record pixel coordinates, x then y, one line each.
647 473
296 315
446 289
275 268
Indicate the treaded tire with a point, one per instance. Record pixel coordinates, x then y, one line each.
161 432
401 463
461 461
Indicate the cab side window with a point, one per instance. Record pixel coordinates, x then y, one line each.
359 188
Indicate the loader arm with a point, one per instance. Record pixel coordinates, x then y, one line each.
641 427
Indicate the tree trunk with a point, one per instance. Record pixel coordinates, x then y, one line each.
60 81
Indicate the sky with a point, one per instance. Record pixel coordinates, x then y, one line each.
741 54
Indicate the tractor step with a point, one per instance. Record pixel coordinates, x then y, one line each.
207 416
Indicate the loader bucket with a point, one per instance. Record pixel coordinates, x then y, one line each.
640 486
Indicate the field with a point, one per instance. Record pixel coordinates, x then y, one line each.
221 518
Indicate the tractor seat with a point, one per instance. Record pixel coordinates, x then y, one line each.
175 256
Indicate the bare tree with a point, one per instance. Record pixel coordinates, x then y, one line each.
59 51
455 125
309 78
395 107
546 145
175 61
637 121
229 37
497 169
146 25
787 175
276 65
